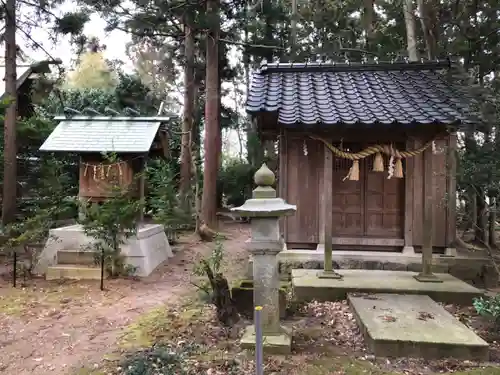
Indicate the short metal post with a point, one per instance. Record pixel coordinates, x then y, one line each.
259 344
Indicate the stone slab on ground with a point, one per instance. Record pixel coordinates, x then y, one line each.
307 286
397 325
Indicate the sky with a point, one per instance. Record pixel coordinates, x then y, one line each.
115 41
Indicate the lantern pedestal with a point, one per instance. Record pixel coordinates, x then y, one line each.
280 343
265 243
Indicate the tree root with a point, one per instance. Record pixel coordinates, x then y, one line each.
207 234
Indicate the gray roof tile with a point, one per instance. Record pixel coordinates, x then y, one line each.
350 93
103 134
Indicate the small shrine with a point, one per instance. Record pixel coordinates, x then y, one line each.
113 151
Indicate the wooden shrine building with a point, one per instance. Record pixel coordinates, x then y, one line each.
131 139
366 151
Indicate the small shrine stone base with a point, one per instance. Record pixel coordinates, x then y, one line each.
476 270
307 286
396 325
145 251
273 344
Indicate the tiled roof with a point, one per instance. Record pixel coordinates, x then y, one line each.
103 134
356 93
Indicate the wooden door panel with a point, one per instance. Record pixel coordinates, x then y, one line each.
370 207
384 205
347 202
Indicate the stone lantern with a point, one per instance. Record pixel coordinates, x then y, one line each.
264 210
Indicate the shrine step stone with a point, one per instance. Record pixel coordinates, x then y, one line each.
73 272
307 286
398 325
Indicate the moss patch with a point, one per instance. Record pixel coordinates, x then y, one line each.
16 301
480 371
160 325
344 365
349 366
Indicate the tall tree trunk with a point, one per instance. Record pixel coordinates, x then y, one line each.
220 193
428 20
187 124
411 38
480 228
209 196
492 238
10 148
369 20
293 32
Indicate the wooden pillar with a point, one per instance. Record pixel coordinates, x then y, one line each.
326 222
408 210
451 204
428 219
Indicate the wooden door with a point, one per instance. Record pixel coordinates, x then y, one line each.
384 204
348 198
370 207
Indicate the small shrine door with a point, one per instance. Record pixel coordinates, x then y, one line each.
370 207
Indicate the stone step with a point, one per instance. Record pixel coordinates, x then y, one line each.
76 257
398 325
307 286
73 272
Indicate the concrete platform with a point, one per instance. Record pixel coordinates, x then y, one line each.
307 286
475 269
396 325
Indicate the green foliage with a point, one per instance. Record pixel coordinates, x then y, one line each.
162 198
489 307
129 92
214 262
236 181
72 23
111 224
52 203
161 359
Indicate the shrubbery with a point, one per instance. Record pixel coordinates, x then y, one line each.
489 308
236 181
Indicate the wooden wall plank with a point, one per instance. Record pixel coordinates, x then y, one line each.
282 173
303 183
292 188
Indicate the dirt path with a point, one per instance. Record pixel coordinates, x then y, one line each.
47 328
